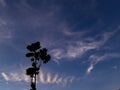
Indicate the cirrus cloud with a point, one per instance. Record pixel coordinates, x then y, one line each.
94 59
44 78
80 47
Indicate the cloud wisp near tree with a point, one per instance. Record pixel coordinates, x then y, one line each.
38 56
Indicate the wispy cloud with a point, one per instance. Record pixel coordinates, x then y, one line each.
2 3
78 48
90 68
58 53
5 35
15 77
67 32
2 22
6 32
47 26
44 78
49 78
5 76
94 59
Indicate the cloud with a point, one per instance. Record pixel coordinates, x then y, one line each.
97 59
2 22
15 77
115 67
3 3
44 17
6 32
79 47
72 33
47 26
5 35
44 78
57 79
57 53
94 59
5 76
90 68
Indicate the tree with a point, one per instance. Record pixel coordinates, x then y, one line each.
38 56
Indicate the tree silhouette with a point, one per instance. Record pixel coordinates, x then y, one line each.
38 56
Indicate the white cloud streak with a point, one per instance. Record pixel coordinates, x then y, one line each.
57 53
44 78
5 76
15 77
78 48
94 59
51 79
90 68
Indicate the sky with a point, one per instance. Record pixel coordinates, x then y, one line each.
82 37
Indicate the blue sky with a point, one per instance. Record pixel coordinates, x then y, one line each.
82 36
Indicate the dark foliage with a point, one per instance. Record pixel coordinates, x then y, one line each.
38 56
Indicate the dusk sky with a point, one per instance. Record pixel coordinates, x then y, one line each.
82 37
